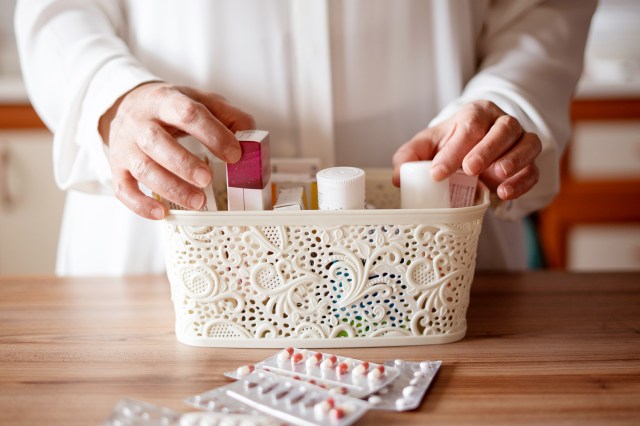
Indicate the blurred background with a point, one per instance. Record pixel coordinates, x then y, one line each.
593 224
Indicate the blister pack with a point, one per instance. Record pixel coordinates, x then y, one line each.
292 401
201 418
129 412
407 391
340 375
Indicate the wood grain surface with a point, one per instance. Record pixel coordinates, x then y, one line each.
542 348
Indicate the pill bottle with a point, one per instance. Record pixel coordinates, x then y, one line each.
341 188
418 190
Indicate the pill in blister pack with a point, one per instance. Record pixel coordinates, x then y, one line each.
287 399
407 391
129 412
220 402
224 419
338 374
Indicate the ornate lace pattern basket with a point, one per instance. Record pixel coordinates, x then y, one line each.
324 279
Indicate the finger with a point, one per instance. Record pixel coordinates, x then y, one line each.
518 157
519 184
232 117
469 128
164 183
126 189
420 148
193 118
159 145
504 133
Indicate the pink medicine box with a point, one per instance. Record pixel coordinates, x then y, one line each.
248 180
253 171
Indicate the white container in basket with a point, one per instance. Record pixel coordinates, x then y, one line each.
324 279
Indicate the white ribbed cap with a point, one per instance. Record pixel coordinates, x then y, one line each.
418 190
341 188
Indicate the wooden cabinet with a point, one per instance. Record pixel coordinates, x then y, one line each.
594 222
30 203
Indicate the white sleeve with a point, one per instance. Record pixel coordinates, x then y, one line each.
531 57
76 65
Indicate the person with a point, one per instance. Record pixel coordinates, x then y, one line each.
478 84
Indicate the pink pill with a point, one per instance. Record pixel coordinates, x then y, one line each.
297 357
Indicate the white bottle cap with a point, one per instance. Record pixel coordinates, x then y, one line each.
418 190
341 188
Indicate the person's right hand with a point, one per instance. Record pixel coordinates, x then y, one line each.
141 130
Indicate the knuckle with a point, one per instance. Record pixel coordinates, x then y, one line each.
189 112
474 126
511 124
473 108
178 195
485 108
172 194
162 91
519 159
483 105
182 162
141 169
148 138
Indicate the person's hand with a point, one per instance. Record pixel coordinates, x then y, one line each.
142 128
485 141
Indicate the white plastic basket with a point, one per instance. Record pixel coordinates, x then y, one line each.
322 279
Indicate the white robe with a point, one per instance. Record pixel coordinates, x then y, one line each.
346 81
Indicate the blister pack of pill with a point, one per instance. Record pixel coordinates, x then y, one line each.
408 390
340 375
292 401
205 418
129 412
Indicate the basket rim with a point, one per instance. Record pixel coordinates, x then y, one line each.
328 343
333 217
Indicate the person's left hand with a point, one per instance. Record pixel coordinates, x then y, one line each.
484 141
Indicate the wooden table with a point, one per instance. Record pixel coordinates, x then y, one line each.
544 347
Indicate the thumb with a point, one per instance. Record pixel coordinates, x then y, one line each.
421 147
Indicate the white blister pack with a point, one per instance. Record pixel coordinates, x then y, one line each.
129 412
292 401
337 374
203 418
408 390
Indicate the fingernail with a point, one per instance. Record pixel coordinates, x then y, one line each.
439 172
157 213
507 167
202 176
473 165
196 201
505 192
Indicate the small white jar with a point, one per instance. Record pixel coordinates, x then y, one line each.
341 188
418 190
